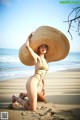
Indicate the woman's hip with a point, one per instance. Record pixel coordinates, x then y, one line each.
33 81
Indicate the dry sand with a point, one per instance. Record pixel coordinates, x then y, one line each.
62 97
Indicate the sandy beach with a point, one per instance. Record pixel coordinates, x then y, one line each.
62 97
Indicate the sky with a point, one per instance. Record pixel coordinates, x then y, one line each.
18 18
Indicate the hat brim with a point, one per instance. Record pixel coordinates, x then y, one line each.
57 42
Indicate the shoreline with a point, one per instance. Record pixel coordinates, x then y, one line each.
62 97
65 70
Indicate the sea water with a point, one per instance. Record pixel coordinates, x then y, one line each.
11 67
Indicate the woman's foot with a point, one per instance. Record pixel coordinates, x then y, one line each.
23 95
15 104
13 99
17 100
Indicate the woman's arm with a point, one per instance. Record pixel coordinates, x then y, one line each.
43 84
34 55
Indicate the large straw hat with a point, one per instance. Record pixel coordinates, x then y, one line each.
58 45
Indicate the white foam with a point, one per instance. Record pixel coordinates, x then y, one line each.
19 73
9 59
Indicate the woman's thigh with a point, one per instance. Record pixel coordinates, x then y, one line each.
31 87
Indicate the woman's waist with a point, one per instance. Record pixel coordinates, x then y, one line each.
41 72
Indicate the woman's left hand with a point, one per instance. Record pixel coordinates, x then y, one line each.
43 91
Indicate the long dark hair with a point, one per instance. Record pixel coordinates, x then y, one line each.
38 50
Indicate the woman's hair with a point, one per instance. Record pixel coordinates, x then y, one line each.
38 50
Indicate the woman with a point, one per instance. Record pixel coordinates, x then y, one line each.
32 85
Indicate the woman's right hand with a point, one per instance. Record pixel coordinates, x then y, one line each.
28 39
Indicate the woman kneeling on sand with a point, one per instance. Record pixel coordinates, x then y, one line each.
46 45
32 86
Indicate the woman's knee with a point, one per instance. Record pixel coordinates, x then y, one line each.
33 107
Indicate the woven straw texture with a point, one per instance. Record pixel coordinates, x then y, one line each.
58 45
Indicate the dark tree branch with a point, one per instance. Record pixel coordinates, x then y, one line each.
73 11
69 29
70 21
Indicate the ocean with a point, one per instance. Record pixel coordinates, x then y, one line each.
11 67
